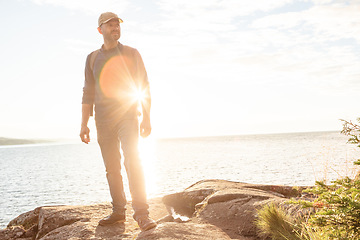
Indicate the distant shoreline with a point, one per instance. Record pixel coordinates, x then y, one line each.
16 141
246 135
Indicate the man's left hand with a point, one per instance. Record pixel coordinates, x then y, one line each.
145 128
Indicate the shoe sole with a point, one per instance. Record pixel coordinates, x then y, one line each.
107 224
150 226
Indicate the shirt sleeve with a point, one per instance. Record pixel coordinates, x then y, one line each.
89 86
142 76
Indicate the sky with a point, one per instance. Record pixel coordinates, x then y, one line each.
216 67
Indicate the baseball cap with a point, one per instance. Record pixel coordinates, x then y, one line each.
107 16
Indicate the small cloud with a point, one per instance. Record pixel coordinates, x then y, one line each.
93 7
326 21
211 15
81 47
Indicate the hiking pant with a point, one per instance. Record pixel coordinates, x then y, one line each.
124 134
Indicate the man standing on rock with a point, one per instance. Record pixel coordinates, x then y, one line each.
115 76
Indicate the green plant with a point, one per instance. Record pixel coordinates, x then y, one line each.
309 233
353 131
273 221
336 207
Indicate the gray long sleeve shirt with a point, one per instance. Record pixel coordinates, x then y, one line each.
111 83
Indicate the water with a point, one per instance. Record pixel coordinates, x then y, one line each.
73 173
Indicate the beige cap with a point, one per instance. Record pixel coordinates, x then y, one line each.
107 16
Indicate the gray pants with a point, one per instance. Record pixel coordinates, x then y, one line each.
110 137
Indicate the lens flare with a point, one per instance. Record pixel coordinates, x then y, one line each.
139 95
118 81
116 77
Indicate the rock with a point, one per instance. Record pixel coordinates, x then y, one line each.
184 202
209 209
27 220
75 222
13 233
231 206
184 231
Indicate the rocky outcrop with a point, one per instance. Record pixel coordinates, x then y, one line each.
209 209
230 206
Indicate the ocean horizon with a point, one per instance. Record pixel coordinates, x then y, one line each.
72 173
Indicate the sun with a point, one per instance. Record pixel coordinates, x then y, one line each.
139 95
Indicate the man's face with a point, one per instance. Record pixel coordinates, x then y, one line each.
111 30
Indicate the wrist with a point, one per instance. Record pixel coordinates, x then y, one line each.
146 116
146 120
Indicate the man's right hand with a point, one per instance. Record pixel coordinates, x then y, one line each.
85 134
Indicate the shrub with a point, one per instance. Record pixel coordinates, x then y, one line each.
353 131
337 207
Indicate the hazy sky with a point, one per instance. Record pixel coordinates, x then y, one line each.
216 67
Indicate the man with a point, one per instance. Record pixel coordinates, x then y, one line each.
114 75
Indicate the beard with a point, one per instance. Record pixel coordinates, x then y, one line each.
116 35
113 36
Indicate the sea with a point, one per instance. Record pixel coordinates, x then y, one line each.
72 173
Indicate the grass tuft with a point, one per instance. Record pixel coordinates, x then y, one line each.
274 222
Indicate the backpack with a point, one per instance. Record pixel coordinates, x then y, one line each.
92 59
92 63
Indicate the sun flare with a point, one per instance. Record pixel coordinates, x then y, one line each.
139 95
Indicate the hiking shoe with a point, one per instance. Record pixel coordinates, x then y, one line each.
145 223
113 218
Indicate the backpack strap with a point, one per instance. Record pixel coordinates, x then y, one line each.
93 58
92 63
